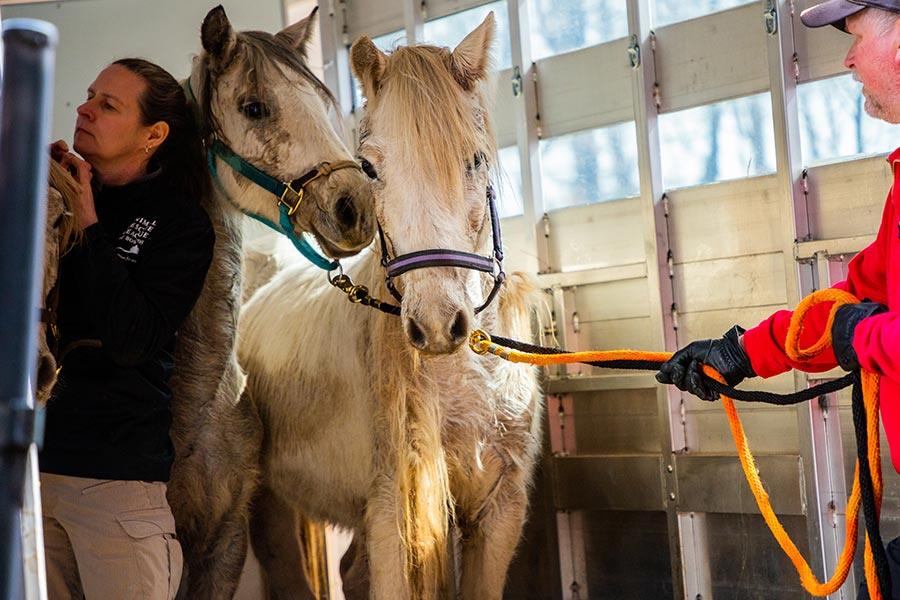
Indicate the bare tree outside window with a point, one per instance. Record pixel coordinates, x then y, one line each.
450 30
673 11
833 123
558 27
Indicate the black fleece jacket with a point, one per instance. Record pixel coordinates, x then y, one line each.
123 294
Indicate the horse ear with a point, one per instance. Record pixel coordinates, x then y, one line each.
471 59
299 34
368 63
218 39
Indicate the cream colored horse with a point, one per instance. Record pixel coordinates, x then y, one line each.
254 94
385 424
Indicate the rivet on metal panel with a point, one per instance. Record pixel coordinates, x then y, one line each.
671 495
574 589
670 468
576 323
770 17
516 82
634 52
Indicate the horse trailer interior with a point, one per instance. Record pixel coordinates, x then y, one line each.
670 169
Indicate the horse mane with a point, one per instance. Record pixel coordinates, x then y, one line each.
256 50
429 105
70 231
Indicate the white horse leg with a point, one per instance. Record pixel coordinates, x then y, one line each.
355 569
275 534
387 568
488 545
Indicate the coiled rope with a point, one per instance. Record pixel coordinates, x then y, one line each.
867 482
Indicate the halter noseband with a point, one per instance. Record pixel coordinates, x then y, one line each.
440 257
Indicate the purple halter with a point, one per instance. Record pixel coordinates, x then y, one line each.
440 257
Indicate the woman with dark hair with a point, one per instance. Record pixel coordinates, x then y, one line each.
108 529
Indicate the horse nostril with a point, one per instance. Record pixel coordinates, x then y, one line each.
459 330
46 373
346 211
416 335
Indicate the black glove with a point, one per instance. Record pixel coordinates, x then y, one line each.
685 369
846 319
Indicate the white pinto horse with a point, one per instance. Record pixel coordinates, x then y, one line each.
385 424
265 116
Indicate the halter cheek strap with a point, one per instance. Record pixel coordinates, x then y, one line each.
440 257
284 225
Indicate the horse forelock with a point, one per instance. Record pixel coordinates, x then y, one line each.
433 126
258 55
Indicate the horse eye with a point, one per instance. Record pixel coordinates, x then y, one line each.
255 110
479 157
368 169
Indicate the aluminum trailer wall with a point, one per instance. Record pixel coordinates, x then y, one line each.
642 493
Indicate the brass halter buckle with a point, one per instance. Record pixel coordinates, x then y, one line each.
282 201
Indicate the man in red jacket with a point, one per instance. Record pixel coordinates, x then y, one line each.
866 334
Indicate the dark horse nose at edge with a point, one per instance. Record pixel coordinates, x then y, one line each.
459 330
456 334
346 211
416 335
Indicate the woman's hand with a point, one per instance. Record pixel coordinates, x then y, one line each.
58 149
81 171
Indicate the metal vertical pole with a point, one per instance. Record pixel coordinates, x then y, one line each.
560 546
819 438
687 532
335 59
524 84
414 20
29 48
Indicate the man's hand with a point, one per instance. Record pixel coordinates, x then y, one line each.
846 318
726 355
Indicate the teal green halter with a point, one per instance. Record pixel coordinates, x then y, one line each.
288 193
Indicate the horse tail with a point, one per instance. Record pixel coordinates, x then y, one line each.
423 488
315 568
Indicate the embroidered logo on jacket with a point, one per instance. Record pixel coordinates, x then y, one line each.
133 238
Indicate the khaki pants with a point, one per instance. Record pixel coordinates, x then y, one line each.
109 539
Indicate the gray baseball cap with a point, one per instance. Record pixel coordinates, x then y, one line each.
834 12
